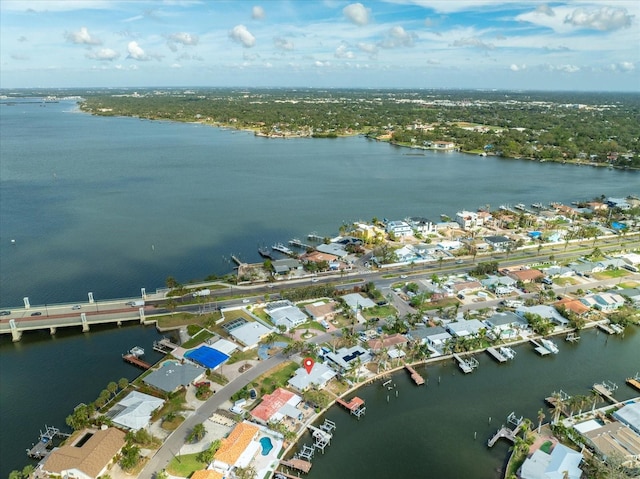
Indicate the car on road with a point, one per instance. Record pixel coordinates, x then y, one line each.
76 307
245 301
459 261
5 313
37 313
314 280
403 276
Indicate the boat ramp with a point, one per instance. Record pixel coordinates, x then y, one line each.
466 365
417 378
45 443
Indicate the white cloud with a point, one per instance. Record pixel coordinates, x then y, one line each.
397 37
604 19
184 38
622 67
283 43
257 13
82 37
241 35
343 52
357 13
473 42
321 64
563 68
369 48
137 53
104 54
176 66
545 10
517 68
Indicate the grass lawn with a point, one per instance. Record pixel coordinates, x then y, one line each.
199 338
243 356
611 273
565 281
310 325
276 377
379 311
445 303
172 425
185 465
173 404
176 320
628 285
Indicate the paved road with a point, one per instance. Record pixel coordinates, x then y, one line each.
173 443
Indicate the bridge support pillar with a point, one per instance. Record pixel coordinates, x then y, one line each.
15 334
141 311
119 323
85 325
52 330
27 305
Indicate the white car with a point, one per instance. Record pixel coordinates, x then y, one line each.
245 301
403 276
76 307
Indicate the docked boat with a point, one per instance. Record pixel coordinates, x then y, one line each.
537 205
507 352
550 346
282 249
520 206
137 351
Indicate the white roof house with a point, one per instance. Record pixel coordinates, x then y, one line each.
284 313
399 228
135 410
345 358
544 311
319 376
465 328
561 463
356 301
224 346
250 334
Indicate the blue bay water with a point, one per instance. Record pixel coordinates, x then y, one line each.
110 205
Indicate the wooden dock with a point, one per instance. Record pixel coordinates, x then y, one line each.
355 406
164 346
634 382
417 378
497 355
605 327
297 464
466 365
606 390
132 359
540 349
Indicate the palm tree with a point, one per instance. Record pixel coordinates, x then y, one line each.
541 417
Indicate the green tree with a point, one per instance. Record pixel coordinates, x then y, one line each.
130 457
197 433
123 383
112 387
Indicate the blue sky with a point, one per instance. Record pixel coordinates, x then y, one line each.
573 45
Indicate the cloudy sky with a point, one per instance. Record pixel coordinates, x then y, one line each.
570 45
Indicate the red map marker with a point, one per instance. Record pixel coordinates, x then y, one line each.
308 364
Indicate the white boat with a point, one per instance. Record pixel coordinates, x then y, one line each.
137 351
282 249
617 328
537 205
507 352
550 346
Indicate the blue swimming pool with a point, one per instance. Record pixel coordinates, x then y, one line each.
266 444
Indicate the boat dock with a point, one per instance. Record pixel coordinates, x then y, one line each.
45 442
417 378
572 337
237 260
606 390
555 396
506 432
540 349
315 237
297 464
136 361
497 355
355 406
634 381
299 244
164 346
282 249
265 253
605 327
466 365
321 437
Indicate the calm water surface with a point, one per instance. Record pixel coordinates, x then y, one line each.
112 205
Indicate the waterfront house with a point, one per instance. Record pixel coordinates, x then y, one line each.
562 463
135 410
633 294
505 325
611 439
399 229
345 359
173 375
629 414
423 226
276 406
603 301
435 336
318 257
544 311
335 249
463 328
87 454
235 449
285 266
574 305
469 220
284 313
389 342
318 377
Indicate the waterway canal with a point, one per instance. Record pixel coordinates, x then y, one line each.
429 431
